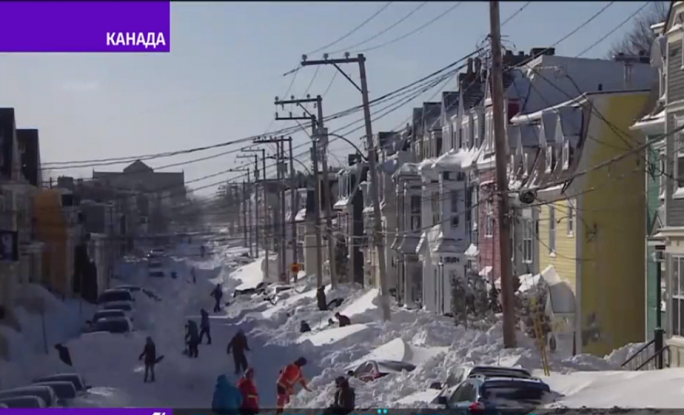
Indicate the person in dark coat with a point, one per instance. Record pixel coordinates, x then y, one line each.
238 345
204 327
64 354
345 398
218 295
320 298
194 277
150 355
304 327
192 339
344 320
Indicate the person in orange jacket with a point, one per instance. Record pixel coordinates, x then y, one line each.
289 377
250 396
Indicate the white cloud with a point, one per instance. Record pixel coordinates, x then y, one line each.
80 86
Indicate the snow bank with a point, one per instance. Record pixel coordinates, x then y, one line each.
332 335
250 275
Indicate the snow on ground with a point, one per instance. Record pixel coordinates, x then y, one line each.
431 342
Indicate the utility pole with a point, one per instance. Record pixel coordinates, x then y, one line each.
307 116
280 231
378 237
244 214
293 202
256 200
501 154
327 197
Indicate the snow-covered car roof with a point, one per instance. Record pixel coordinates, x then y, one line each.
117 305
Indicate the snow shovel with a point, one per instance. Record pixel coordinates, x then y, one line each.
159 359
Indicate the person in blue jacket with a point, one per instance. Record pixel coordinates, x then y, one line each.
227 397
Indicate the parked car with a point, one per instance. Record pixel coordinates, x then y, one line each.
76 379
64 389
113 325
508 396
156 253
100 314
46 393
371 370
155 269
115 294
131 288
23 402
125 306
461 373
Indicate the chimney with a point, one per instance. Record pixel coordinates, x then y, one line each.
542 51
478 65
521 53
509 53
470 66
600 87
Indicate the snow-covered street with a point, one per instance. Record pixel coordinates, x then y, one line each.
109 362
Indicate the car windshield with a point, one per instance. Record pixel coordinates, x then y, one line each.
113 326
511 393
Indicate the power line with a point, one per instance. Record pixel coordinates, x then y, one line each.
416 30
351 31
613 30
393 25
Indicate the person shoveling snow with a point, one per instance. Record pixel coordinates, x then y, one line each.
150 355
238 345
289 377
345 398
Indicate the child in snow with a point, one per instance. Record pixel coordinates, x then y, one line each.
227 398
344 320
345 398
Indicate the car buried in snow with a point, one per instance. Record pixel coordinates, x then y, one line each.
64 390
371 370
155 269
125 306
23 402
115 295
462 373
46 393
76 379
499 395
116 325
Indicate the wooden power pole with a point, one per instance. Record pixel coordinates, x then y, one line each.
317 182
377 233
501 153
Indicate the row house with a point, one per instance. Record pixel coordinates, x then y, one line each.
668 117
590 225
349 211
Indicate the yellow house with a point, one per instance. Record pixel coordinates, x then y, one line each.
591 218
57 226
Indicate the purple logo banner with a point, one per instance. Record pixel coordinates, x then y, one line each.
85 26
89 411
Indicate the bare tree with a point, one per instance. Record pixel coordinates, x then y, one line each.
640 37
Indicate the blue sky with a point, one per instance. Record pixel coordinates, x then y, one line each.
226 66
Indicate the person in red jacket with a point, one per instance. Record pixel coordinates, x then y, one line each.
250 396
289 377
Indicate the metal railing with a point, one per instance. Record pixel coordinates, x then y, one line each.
653 355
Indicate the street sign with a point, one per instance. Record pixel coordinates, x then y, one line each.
294 268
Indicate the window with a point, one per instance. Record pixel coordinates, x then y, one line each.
415 212
552 229
525 164
468 202
438 150
436 208
455 214
677 295
660 172
679 151
566 155
527 243
489 220
549 159
571 219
